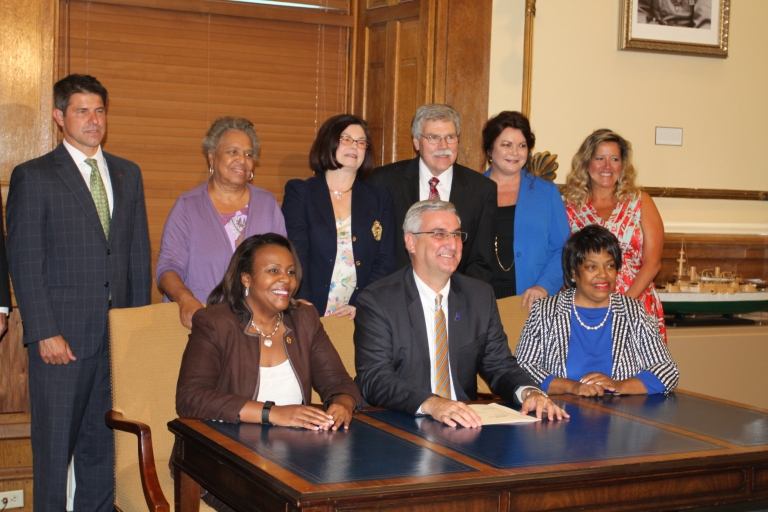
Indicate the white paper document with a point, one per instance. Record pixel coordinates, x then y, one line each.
495 414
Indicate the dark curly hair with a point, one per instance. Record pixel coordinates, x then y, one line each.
593 238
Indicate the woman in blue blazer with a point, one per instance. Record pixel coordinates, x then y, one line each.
343 228
531 225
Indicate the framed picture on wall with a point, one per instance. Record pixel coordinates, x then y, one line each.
695 27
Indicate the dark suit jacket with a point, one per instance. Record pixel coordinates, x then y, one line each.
5 287
63 268
474 197
311 227
392 351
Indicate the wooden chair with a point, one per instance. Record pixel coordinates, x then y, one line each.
341 331
513 319
146 347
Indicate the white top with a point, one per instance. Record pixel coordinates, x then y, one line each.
279 384
443 187
85 169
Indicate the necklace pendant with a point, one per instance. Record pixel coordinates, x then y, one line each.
267 343
677 7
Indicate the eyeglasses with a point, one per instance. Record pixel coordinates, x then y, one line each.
348 141
436 139
442 235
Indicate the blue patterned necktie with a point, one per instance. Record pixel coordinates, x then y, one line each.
99 193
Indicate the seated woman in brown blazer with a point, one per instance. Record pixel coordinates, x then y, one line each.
254 353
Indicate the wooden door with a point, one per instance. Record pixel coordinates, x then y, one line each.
410 52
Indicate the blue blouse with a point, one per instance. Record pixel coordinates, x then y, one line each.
592 351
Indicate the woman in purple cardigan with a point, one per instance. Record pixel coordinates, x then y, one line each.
207 223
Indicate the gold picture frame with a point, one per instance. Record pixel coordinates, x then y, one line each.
691 27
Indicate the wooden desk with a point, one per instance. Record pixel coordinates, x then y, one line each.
617 453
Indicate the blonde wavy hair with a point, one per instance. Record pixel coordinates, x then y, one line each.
578 187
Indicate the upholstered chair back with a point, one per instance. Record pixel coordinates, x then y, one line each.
513 319
146 346
341 331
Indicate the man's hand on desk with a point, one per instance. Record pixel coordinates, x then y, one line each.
539 402
451 412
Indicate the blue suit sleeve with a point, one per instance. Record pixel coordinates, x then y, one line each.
377 377
26 220
140 269
552 277
294 209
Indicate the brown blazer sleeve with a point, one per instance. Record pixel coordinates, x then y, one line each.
203 390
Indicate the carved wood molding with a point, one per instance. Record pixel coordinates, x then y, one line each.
686 193
707 193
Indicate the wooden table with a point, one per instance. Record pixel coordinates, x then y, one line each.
615 453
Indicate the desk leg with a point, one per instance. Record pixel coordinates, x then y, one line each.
186 491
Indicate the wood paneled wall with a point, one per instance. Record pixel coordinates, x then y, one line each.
411 52
167 86
27 35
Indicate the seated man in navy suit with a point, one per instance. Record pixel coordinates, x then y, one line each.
423 333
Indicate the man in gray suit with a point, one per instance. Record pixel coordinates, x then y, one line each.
78 245
423 333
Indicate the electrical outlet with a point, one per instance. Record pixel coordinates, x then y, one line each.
15 499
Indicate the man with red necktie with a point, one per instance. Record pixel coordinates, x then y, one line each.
434 174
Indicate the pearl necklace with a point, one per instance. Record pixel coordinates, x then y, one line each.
267 340
589 327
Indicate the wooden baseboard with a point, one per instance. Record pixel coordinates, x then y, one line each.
16 456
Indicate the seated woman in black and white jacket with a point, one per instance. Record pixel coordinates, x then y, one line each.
588 340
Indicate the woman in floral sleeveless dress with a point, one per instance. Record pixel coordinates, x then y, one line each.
601 189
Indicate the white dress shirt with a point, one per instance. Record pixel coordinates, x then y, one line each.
85 169
427 296
443 186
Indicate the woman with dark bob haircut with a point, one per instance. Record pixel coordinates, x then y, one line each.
530 226
588 340
343 227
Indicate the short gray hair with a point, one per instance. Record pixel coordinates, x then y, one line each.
223 125
434 112
412 222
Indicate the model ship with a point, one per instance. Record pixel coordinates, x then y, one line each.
711 292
